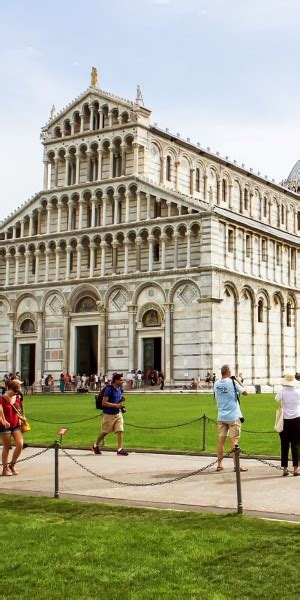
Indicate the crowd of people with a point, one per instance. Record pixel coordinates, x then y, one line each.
227 391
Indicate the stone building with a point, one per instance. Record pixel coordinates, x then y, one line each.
145 250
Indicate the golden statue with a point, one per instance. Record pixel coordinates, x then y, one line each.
94 77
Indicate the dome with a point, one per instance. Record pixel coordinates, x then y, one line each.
295 173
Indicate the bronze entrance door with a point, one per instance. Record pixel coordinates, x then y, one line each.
28 363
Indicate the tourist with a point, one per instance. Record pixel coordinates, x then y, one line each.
43 383
62 383
161 379
138 379
10 402
112 420
229 412
289 396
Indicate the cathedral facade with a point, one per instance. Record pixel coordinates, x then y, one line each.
146 251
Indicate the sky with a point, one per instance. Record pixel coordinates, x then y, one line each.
224 73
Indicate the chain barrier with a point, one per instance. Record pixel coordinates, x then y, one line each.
61 422
31 456
262 460
209 420
152 484
165 426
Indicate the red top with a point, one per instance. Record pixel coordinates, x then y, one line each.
9 412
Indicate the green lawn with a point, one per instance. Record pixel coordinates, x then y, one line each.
153 411
62 549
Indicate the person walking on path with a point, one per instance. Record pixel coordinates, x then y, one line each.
289 396
112 420
229 412
10 402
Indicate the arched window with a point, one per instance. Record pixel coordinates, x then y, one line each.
28 326
264 250
156 252
265 207
224 190
246 199
260 311
282 214
151 319
86 304
168 168
289 315
71 260
230 240
197 180
293 259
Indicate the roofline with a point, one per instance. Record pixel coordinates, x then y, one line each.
222 161
93 90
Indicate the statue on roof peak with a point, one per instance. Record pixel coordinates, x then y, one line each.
52 111
94 77
139 97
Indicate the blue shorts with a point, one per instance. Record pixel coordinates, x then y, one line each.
9 429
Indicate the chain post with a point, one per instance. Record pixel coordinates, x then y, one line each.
56 469
240 508
204 420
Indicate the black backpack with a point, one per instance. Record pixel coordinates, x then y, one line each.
99 397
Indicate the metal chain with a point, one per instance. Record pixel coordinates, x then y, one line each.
153 484
31 456
62 422
166 426
209 420
262 460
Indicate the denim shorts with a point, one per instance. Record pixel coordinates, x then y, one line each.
9 429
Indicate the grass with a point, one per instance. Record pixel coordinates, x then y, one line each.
156 411
81 551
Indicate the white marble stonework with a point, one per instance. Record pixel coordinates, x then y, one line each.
142 238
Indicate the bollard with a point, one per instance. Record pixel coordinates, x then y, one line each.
204 418
56 474
240 509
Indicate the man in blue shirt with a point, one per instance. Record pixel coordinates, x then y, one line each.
112 420
229 412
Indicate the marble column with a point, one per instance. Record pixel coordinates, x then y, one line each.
39 347
104 210
59 209
177 164
127 206
230 196
102 337
7 270
89 158
22 228
57 261
100 159
79 254
192 181
81 122
188 249
163 252
37 265
70 211
91 107
77 179
46 170
135 146
205 186
92 258
49 210
219 191
68 262
26 277
47 263
103 252
11 342
148 199
39 221
168 343
138 205
176 236
80 219
138 243
93 219
116 209
151 240
114 256
100 112
169 206
67 170
31 225
17 265
126 255
131 336
56 163
66 339
123 159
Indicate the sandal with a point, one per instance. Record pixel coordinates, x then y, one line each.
219 468
13 469
285 473
6 473
242 469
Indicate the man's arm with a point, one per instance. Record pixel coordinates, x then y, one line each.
240 388
106 403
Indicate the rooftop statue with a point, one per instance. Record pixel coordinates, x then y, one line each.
94 77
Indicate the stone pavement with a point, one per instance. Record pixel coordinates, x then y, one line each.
264 490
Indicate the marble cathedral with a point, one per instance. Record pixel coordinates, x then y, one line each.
144 250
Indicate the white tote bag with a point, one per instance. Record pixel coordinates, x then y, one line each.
279 419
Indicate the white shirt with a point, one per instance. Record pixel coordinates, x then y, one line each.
290 397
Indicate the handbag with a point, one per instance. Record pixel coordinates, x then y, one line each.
24 425
278 426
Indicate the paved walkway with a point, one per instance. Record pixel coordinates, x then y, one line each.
264 490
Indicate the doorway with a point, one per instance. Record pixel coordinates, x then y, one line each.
28 363
87 349
151 354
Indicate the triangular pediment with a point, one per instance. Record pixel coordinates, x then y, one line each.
89 96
